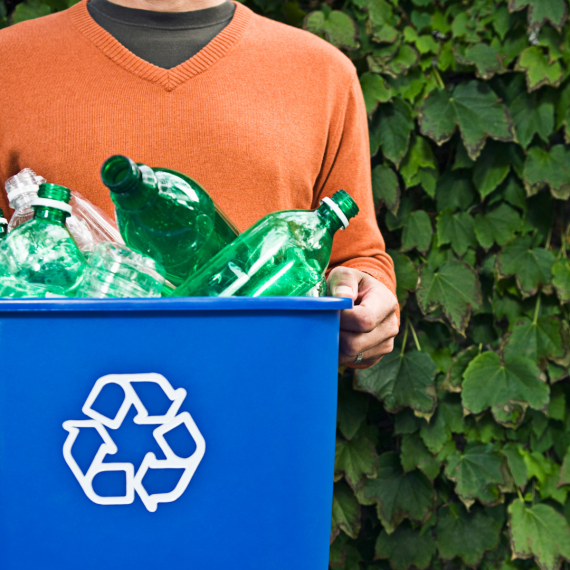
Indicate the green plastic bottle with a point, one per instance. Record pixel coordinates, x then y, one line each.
167 216
42 250
284 254
3 225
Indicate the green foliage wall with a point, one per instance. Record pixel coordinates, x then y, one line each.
454 451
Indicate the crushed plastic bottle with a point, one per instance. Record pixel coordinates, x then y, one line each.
166 215
14 288
284 254
117 271
42 251
88 224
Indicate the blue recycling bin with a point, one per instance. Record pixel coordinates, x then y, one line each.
168 433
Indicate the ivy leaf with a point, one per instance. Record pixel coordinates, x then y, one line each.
398 496
355 459
477 474
492 168
419 157
516 462
536 340
375 90
415 454
454 191
454 377
530 266
391 128
486 60
565 470
337 27
538 69
467 535
454 287
532 115
489 383
561 279
406 275
345 511
448 419
351 408
474 108
498 226
542 11
29 10
539 532
401 380
406 58
550 489
548 168
404 548
417 232
457 230
386 188
380 20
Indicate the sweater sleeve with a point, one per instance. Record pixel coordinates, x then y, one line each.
346 166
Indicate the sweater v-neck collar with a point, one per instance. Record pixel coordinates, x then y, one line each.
169 79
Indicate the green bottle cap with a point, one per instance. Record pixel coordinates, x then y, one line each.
119 174
53 196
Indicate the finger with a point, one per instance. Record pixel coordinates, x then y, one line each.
353 343
369 357
376 305
344 282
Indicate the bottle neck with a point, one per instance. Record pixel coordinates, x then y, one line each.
23 200
3 229
140 192
329 218
53 215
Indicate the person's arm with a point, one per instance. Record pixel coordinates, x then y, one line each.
360 268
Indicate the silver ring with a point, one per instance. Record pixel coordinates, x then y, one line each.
358 359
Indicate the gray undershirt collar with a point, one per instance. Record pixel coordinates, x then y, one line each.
165 39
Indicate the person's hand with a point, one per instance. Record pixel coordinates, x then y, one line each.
371 325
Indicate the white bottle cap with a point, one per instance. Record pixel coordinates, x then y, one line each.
3 221
52 204
27 189
336 209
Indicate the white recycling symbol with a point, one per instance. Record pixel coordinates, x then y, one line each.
165 423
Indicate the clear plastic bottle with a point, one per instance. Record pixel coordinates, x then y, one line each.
42 250
88 224
166 215
284 254
117 271
22 190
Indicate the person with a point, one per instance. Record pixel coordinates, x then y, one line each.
265 116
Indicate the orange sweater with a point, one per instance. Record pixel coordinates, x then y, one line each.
266 117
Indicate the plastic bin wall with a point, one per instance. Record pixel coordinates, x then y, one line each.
239 414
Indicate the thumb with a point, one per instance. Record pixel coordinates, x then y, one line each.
343 282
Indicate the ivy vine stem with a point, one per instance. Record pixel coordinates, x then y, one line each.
405 337
536 309
438 78
415 338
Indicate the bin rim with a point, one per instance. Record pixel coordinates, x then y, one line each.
177 304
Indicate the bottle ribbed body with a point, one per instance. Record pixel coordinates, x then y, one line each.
284 254
42 251
166 215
